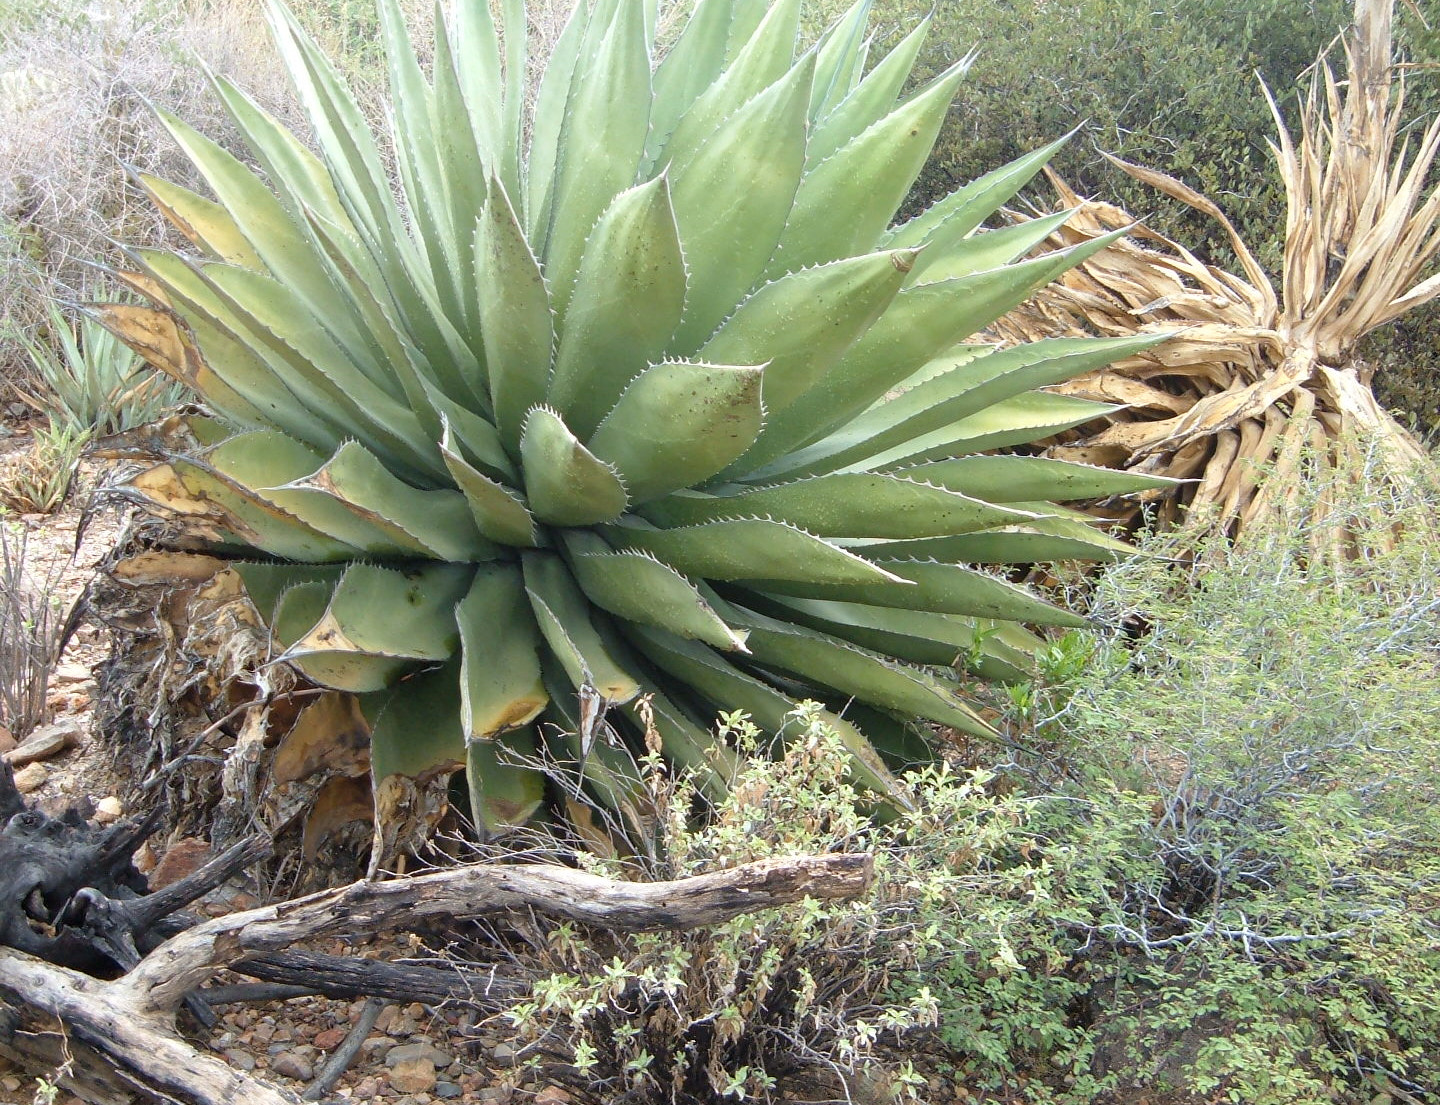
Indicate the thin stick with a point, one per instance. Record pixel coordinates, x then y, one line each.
344 1055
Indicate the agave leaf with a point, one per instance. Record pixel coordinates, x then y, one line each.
1026 417
439 520
500 682
985 250
749 170
852 670
879 165
607 118
764 58
923 322
838 54
749 548
505 788
207 224
958 386
380 612
499 513
802 322
637 587
941 588
1038 542
565 622
1005 479
727 687
627 302
268 462
514 315
855 504
679 423
549 122
414 728
964 209
690 66
918 636
871 101
567 485
196 491
266 581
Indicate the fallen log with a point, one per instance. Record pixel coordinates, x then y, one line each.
86 946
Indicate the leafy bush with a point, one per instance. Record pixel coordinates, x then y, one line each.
1209 867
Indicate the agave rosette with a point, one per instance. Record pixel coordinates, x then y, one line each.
634 390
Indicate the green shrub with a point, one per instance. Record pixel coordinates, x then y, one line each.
1209 866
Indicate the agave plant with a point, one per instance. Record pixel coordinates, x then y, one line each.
633 394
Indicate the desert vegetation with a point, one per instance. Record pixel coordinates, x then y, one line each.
592 494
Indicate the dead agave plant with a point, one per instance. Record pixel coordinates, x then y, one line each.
1258 380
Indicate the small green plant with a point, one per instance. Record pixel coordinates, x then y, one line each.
38 481
30 627
93 383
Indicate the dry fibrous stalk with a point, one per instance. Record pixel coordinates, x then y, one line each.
1259 378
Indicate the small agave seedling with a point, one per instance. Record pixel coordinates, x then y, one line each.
632 394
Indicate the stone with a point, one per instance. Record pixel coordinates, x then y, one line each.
447 1090
10 1084
412 1076
7 740
45 742
366 1088
72 673
418 1049
31 778
330 1038
376 1047
184 857
387 1017
290 1065
551 1095
503 1054
108 810
242 1059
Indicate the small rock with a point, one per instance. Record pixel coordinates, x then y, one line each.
552 1095
10 1083
330 1038
44 742
494 1095
108 810
419 1049
18 410
447 1090
72 673
184 857
376 1047
366 1088
412 1076
242 1059
264 1032
290 1065
224 1040
503 1054
387 1017
31 778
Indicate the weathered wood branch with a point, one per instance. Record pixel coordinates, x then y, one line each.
130 1020
158 985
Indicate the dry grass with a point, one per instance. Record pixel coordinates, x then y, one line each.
1258 375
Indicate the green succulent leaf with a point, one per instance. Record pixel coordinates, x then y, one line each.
566 483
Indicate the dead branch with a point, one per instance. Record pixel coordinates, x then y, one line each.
130 1020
